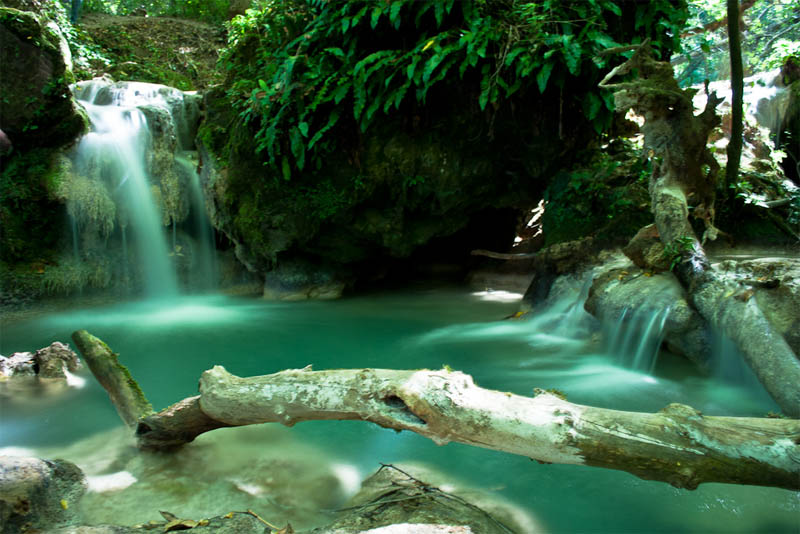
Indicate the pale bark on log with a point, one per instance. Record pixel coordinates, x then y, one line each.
677 445
686 168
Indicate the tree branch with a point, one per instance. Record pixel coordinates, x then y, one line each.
677 445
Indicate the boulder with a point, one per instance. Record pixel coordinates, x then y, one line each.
49 362
411 192
646 251
618 291
38 494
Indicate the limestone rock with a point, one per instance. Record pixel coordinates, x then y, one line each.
774 282
38 494
403 197
646 251
52 360
619 289
298 280
49 362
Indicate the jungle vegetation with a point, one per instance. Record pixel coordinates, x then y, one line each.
303 77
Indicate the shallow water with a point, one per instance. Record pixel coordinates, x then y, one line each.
167 345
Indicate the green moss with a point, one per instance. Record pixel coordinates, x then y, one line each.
72 276
88 201
605 197
27 207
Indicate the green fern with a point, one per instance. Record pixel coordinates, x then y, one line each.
293 64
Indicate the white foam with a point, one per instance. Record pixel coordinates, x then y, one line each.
113 482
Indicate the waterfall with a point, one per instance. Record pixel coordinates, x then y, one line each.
114 149
204 268
134 156
635 338
73 223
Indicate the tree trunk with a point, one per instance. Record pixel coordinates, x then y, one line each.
677 445
685 168
737 94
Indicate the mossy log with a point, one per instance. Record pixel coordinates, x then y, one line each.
685 169
127 397
678 444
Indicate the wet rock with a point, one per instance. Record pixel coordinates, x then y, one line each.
18 364
646 251
49 362
38 494
567 258
624 291
52 361
236 523
774 283
392 501
301 280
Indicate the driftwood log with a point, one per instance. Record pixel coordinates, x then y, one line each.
678 444
684 170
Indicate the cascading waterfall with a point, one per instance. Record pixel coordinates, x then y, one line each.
115 149
636 337
136 156
205 271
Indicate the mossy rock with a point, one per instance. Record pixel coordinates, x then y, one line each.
405 185
36 106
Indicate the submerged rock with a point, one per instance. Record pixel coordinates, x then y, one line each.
394 501
236 523
299 280
38 494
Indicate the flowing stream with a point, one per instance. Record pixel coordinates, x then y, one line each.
300 474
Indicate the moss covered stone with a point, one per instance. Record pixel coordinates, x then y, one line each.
36 107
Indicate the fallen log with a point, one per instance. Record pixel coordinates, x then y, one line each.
685 169
126 396
678 444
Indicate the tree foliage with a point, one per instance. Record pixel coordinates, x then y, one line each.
298 69
770 33
209 10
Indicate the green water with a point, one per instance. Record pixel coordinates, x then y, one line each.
167 346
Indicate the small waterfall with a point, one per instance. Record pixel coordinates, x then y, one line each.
73 222
204 257
126 275
635 338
